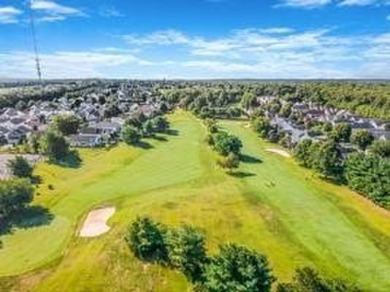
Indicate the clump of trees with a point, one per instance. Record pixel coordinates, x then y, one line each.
324 157
226 145
235 268
367 174
135 130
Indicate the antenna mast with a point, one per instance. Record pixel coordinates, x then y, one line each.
37 60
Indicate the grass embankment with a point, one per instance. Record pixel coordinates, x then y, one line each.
273 206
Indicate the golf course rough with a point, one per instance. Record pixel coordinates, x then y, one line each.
272 205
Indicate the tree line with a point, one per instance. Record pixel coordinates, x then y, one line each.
234 268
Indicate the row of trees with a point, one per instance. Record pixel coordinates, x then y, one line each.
133 131
366 173
221 99
225 144
234 268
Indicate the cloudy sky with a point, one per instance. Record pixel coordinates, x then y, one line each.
197 38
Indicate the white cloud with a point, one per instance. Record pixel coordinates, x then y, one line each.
9 14
245 53
110 12
67 64
52 11
303 3
310 4
273 53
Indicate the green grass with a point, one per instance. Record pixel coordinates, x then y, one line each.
277 208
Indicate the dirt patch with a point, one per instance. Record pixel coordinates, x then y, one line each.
280 152
96 222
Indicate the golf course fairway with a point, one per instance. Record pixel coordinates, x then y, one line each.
271 204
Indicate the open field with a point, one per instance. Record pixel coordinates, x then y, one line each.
272 205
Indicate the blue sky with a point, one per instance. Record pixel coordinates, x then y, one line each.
197 38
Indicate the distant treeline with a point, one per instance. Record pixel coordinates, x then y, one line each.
363 98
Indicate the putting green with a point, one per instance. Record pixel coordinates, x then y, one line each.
273 206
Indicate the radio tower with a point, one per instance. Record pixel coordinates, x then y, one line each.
32 23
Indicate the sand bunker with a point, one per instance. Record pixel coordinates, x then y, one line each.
95 224
280 152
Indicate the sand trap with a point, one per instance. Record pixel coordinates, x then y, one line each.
95 224
280 152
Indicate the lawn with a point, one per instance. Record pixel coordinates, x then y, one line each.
274 206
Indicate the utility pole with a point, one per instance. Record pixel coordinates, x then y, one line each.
37 60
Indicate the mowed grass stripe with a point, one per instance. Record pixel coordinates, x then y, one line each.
166 164
303 206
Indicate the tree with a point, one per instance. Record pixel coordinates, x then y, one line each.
225 143
66 124
302 152
362 138
15 195
161 124
381 148
262 126
130 135
187 252
308 280
146 239
341 132
369 175
211 125
33 142
232 161
148 128
237 268
20 167
328 160
54 146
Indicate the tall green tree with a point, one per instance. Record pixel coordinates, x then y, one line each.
237 268
262 126
160 124
54 146
187 251
130 135
341 132
328 160
66 124
20 167
15 195
225 143
146 239
362 138
369 175
381 148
